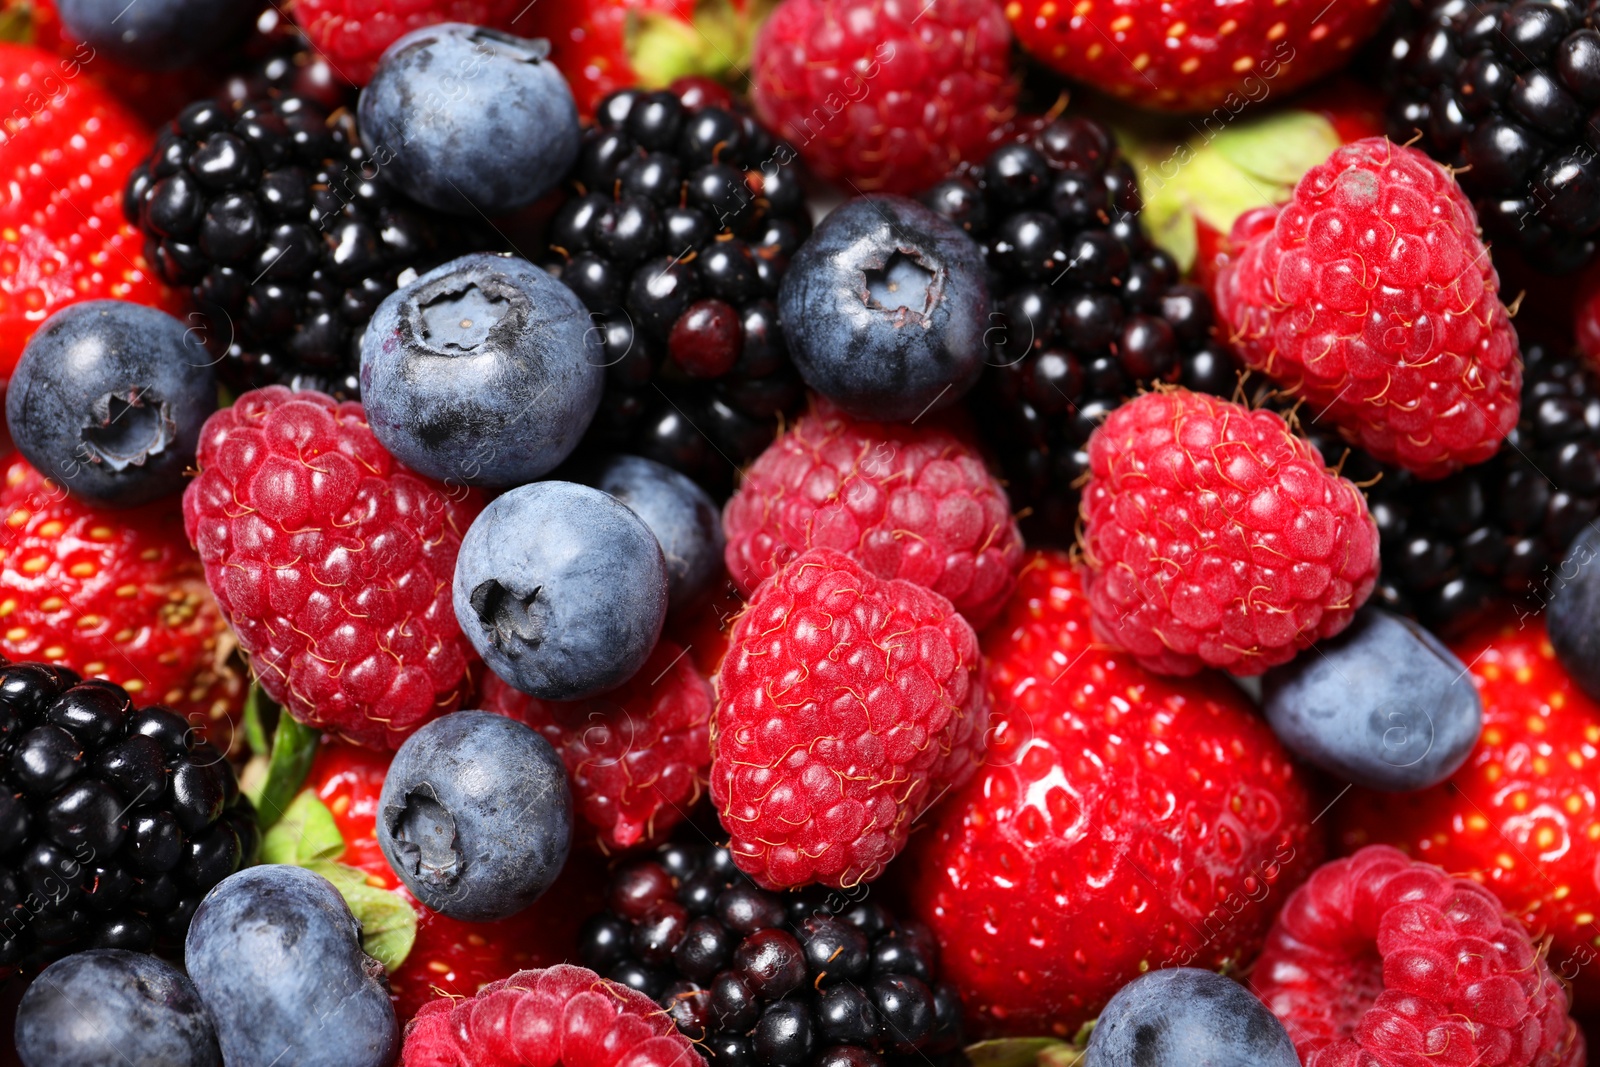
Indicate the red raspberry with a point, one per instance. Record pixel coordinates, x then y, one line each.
1372 295
333 563
637 756
906 502
847 705
1381 962
887 95
352 34
561 1016
1214 537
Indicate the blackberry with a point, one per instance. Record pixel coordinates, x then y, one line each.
274 217
114 820
1087 308
681 217
764 979
1509 91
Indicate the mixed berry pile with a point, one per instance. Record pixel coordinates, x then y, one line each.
799 533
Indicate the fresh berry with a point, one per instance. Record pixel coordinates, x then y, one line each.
66 159
637 756
562 590
847 705
885 309
267 212
321 1002
114 1006
109 398
1383 704
1381 961
469 120
911 502
332 562
1574 618
759 978
1179 1016
562 1016
1520 817
1121 823
114 820
484 371
1194 57
1086 309
1371 295
1214 537
353 34
156 36
475 816
676 212
896 101
116 595
1502 93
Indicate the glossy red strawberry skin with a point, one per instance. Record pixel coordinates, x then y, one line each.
1121 822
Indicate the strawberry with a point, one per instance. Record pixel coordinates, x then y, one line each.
1520 816
1122 822
66 147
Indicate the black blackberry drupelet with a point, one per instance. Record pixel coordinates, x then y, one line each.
1510 91
681 218
272 215
114 821
807 979
1087 309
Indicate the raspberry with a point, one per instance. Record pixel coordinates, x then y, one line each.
907 502
637 757
561 1016
888 95
1215 537
333 563
1372 295
352 34
1381 962
847 705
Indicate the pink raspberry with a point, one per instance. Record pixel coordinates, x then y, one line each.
847 705
1381 962
909 502
1215 537
352 34
332 562
561 1016
637 756
1372 295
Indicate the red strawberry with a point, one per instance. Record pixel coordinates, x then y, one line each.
1214 537
352 34
1121 822
66 147
1521 815
637 756
1372 295
1185 55
333 563
118 595
1381 962
847 704
886 95
449 957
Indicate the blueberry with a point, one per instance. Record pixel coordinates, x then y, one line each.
484 371
108 400
276 956
1574 618
885 309
1186 1017
561 589
1383 705
475 815
683 517
155 34
469 120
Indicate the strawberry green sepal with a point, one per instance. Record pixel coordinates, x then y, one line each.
282 750
16 21
1217 175
714 41
307 836
1031 1051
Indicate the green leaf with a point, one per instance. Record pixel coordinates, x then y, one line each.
1278 147
304 835
271 787
1013 1051
388 921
